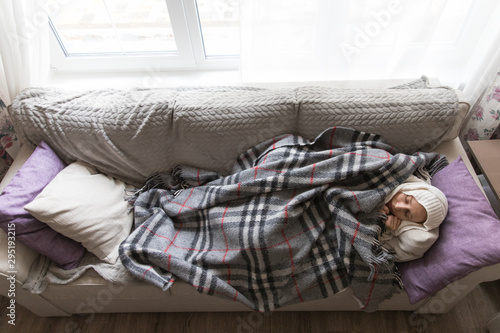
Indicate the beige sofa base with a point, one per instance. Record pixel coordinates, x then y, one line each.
94 295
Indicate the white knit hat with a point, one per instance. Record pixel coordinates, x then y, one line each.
433 200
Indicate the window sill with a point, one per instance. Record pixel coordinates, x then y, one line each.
195 78
152 79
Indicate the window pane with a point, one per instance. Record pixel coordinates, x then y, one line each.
220 25
114 26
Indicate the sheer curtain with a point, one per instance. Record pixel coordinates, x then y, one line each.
24 61
456 41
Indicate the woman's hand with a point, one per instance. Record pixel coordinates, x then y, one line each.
392 222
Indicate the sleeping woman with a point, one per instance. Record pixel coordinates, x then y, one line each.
414 211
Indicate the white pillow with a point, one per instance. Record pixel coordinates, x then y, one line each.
86 206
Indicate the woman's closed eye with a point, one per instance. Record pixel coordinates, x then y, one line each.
408 202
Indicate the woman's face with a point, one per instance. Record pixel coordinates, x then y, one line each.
406 207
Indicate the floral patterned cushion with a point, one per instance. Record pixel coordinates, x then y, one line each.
9 143
485 120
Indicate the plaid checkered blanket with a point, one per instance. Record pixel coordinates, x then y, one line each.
297 220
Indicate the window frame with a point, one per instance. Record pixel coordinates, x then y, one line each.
190 53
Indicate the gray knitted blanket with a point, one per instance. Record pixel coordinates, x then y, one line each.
297 220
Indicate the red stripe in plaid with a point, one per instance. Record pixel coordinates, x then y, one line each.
312 173
147 270
150 268
356 198
331 142
264 159
227 244
411 159
375 156
180 227
290 250
176 203
387 157
184 204
355 233
258 168
372 286
358 225
331 137
274 147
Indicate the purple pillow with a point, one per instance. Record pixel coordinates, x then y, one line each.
40 168
468 237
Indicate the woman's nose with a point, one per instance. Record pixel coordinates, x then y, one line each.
400 205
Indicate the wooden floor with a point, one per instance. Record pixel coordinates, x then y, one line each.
469 316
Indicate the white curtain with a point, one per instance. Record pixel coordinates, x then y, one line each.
24 46
456 41
24 60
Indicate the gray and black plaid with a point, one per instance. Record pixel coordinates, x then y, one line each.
296 220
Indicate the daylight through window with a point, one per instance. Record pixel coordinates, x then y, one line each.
175 33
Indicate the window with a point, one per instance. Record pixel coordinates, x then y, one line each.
145 34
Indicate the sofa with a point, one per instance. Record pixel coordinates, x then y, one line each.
125 136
